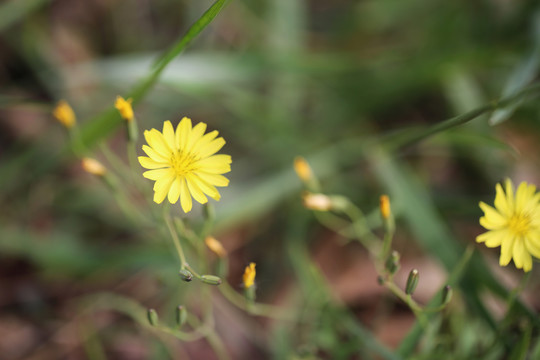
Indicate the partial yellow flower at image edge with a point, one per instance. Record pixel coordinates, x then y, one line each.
513 224
183 163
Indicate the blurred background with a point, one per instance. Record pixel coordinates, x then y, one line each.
278 79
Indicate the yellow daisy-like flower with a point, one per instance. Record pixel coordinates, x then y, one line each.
183 163
514 224
64 114
249 276
124 108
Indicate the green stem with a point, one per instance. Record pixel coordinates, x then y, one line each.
176 240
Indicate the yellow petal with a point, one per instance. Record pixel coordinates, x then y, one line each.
507 248
156 141
521 196
148 163
185 196
196 133
532 243
216 164
500 201
213 179
492 218
510 195
211 148
174 191
161 187
168 134
153 154
196 191
205 187
158 174
522 258
492 238
204 141
183 131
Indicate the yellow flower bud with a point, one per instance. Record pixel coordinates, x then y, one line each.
64 114
124 108
302 169
92 166
319 202
216 247
384 205
249 276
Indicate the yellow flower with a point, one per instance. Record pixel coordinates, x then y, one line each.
216 247
124 108
514 224
249 276
92 166
302 169
319 202
183 163
64 114
384 206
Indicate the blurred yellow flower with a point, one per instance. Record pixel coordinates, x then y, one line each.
384 206
213 244
124 108
319 202
64 114
514 224
249 276
92 166
302 169
183 163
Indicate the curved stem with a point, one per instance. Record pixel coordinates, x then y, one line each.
176 240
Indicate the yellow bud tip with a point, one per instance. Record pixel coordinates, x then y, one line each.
319 202
124 108
64 114
302 169
384 204
92 166
249 275
215 246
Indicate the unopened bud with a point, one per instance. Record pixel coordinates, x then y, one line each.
412 281
302 169
92 166
124 108
213 244
319 202
64 114
248 279
447 294
181 315
211 279
392 262
153 318
384 206
185 275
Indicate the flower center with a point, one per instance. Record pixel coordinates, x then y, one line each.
520 224
183 163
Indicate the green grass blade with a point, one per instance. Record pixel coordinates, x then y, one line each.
107 121
15 10
523 74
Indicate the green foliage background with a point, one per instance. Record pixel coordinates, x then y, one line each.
397 97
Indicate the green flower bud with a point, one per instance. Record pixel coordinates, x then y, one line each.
211 279
412 281
447 294
153 318
181 315
185 275
392 263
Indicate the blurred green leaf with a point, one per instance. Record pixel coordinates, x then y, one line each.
12 11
